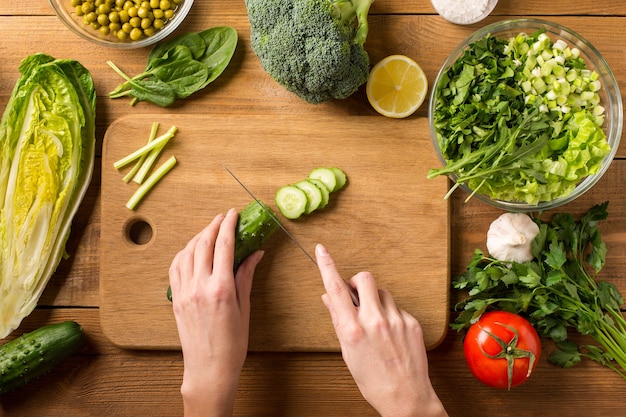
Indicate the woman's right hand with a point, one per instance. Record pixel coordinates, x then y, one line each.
382 345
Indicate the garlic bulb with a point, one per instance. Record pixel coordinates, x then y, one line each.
510 236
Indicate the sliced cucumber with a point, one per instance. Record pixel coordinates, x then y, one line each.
324 190
326 176
313 194
291 201
340 176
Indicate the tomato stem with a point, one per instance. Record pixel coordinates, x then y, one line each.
510 352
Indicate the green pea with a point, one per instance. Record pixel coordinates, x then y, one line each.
146 23
135 34
104 9
114 17
124 16
103 19
88 7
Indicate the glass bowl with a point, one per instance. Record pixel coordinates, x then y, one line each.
610 99
66 11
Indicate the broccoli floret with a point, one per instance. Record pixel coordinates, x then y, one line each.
313 48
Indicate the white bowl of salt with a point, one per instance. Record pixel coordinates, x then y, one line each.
464 12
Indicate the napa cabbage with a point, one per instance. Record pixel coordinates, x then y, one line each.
47 149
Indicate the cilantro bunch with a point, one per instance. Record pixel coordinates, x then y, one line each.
556 291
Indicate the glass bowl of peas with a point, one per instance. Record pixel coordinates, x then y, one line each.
124 24
525 115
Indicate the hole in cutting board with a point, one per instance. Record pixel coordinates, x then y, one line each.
139 231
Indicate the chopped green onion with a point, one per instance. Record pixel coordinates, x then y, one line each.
150 182
146 148
138 164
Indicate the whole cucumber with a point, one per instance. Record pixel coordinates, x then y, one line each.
36 353
254 227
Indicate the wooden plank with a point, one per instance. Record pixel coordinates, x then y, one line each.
102 380
529 7
384 220
245 88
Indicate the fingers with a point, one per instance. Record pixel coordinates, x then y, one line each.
195 262
367 290
336 287
225 245
245 275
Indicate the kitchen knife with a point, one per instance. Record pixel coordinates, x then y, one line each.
353 294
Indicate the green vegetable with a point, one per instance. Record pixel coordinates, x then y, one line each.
519 119
291 201
254 227
314 196
47 150
123 20
150 182
144 159
314 48
556 290
306 196
36 353
180 67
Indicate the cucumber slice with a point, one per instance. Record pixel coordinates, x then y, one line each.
291 201
340 176
313 194
325 193
325 175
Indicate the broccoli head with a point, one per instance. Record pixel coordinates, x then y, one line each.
313 48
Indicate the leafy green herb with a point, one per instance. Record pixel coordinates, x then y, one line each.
556 291
179 67
519 119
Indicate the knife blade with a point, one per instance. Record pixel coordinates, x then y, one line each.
353 294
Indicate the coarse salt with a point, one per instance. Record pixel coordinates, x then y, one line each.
464 12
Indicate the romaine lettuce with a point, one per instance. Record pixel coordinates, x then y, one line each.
47 150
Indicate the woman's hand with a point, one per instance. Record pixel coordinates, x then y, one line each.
382 345
212 311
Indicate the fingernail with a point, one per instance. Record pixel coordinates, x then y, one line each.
321 250
231 212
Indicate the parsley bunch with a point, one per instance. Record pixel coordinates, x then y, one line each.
556 291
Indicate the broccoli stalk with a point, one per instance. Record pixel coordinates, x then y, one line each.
313 48
351 12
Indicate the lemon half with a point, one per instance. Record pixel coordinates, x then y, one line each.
396 86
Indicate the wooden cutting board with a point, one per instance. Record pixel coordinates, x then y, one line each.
389 220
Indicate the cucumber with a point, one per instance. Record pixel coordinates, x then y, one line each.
325 175
254 227
313 195
291 201
324 190
341 178
310 194
36 353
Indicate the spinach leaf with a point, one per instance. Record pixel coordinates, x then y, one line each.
180 67
220 47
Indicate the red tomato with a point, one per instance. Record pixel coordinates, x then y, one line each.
502 349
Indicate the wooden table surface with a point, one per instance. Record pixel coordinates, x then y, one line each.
103 380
